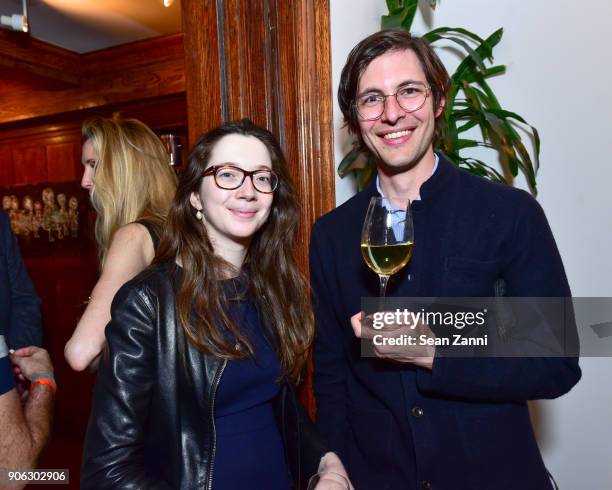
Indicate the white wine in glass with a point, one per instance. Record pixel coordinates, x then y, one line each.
387 237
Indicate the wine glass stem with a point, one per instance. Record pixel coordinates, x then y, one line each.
383 284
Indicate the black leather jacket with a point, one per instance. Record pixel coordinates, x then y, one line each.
152 420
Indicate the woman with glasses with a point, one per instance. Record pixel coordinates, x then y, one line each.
131 184
196 389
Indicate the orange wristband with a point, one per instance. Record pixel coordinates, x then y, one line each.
45 381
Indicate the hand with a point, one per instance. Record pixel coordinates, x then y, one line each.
30 362
401 343
329 481
332 474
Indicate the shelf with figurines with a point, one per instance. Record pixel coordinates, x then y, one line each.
49 218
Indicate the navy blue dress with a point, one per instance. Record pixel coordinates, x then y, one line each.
250 452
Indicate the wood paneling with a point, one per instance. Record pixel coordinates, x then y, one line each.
133 55
137 71
202 66
62 162
50 151
315 120
29 165
7 175
249 87
23 53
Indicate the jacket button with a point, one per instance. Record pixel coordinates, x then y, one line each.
418 412
426 485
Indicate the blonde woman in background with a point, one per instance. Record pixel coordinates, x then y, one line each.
131 186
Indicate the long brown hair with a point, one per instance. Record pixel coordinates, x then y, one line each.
133 178
273 279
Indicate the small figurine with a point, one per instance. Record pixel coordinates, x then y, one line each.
6 203
27 216
14 215
48 198
73 216
37 220
61 217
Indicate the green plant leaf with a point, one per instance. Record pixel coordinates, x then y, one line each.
411 9
450 137
461 144
485 50
394 5
391 21
457 40
452 34
464 143
346 165
401 14
536 144
467 126
496 126
501 113
487 73
472 97
364 175
525 162
453 30
504 140
475 166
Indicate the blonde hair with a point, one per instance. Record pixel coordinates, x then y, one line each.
133 179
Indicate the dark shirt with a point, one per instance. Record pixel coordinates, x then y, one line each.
249 451
20 320
7 382
153 230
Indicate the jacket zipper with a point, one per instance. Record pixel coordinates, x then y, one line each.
212 420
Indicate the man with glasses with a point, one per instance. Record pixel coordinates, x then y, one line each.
415 419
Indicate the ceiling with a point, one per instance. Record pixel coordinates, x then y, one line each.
88 25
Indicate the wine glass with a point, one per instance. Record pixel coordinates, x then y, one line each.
387 237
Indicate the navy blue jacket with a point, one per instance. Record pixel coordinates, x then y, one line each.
464 424
19 304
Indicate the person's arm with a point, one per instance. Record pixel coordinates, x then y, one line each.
25 431
25 327
330 362
130 252
113 456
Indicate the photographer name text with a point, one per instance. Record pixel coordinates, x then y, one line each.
426 340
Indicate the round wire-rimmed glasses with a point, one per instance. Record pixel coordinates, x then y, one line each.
411 97
230 177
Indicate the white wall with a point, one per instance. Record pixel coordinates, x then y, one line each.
559 78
